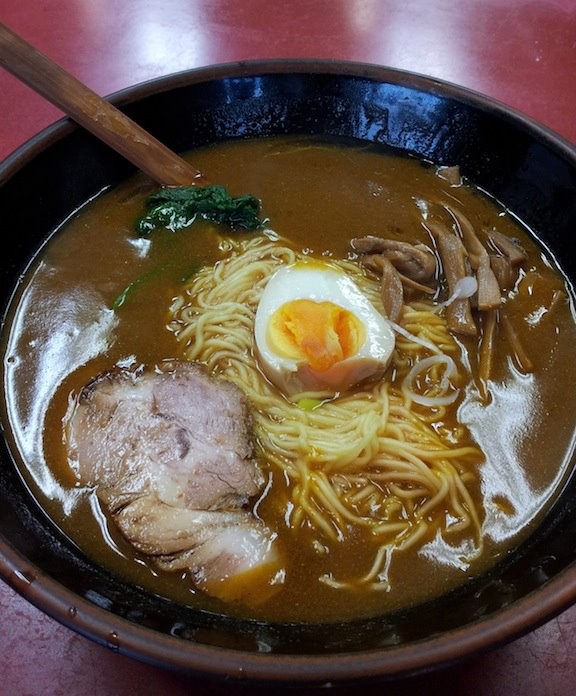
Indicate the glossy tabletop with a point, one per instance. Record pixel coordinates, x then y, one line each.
520 52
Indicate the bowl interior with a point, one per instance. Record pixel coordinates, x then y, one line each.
529 170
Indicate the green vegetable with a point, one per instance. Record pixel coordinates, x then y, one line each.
134 285
177 208
184 275
309 404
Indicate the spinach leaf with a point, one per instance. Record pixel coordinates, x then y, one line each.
184 275
177 208
131 288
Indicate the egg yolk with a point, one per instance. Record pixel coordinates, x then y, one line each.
318 333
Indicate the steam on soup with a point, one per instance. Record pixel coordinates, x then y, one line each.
399 342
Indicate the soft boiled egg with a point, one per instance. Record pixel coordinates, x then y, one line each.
316 331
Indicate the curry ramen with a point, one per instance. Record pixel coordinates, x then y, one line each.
393 347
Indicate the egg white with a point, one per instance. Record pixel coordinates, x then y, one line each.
321 282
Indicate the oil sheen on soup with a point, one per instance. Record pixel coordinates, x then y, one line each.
387 356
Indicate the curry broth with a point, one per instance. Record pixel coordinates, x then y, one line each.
98 296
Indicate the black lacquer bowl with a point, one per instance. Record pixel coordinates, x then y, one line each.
529 169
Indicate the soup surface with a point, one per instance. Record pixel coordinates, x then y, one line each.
355 539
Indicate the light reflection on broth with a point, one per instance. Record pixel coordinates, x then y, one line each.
63 332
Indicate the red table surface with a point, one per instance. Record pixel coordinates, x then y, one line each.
521 52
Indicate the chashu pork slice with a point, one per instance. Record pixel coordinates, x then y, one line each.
170 454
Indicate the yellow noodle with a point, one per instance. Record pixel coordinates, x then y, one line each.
368 459
390 528
362 494
416 535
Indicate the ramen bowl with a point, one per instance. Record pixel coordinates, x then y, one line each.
530 170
